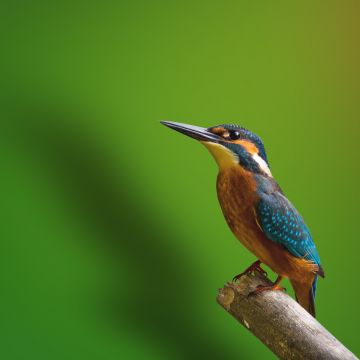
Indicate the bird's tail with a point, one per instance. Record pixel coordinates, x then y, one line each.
305 294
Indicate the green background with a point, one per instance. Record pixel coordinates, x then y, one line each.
113 244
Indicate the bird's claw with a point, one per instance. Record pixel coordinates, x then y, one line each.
261 271
237 277
255 267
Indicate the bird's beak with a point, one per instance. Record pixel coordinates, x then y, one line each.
196 132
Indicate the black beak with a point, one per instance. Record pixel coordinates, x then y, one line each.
196 132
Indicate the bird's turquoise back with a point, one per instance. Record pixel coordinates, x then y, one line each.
283 224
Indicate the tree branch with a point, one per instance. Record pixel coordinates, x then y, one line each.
279 322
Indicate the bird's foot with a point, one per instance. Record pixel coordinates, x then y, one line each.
262 288
251 269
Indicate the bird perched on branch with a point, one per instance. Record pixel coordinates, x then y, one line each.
257 211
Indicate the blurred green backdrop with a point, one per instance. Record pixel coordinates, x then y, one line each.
113 243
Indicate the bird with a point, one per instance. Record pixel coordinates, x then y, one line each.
257 211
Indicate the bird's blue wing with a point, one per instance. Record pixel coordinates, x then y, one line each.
282 224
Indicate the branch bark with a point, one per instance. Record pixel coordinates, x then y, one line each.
280 322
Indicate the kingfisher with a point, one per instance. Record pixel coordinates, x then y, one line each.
257 211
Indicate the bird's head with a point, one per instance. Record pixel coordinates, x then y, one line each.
231 145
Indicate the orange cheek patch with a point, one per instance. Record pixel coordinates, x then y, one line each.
250 147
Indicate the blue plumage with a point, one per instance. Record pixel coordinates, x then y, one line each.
282 224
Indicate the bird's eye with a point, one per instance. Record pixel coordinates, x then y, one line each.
234 135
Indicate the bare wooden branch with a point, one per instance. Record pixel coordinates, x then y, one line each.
280 322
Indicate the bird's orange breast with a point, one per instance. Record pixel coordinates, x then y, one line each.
236 191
